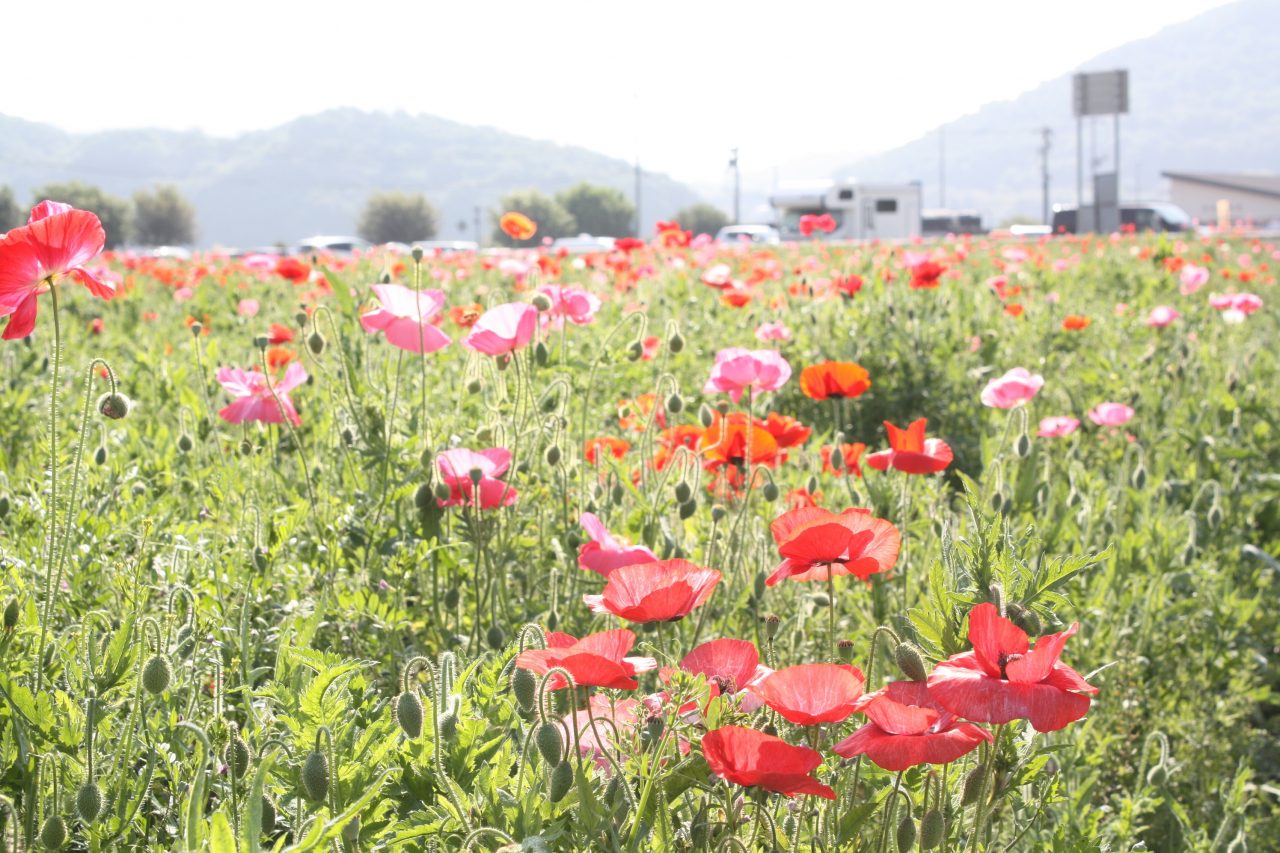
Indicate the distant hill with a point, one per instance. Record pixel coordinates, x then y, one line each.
312 175
1204 96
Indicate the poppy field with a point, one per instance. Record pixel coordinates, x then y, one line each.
961 545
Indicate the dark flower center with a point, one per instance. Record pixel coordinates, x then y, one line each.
1006 660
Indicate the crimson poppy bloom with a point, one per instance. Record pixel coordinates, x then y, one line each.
279 334
517 226
786 430
1000 680
294 270
925 275
597 660
812 693
818 544
756 760
909 451
663 591
907 728
55 243
834 380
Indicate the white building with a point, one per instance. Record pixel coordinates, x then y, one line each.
1254 198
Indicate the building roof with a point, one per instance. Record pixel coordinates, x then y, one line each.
1259 183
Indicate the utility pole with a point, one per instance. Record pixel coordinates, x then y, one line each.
1046 137
639 218
737 185
942 166
479 235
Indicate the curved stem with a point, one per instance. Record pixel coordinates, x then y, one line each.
51 516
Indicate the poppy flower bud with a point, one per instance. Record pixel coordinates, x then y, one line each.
185 443
196 328
11 614
997 502
183 641
100 455
675 404
973 783
1022 446
561 780
552 455
246 447
424 497
156 674
837 458
441 491
473 387
1139 478
553 620
687 509
261 341
53 834
932 829
4 505
315 777
1026 619
449 725
495 637
268 816
451 596
237 755
616 494
821 599
475 475
769 729
718 513
770 492
409 714
675 343
635 349
906 834
1157 776
541 301
525 687
541 355
771 623
89 801
550 743
995 594
385 278
845 650
705 416
316 342
812 485
683 492
260 558
910 661
1215 515
114 406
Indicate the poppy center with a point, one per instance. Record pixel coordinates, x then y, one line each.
1006 660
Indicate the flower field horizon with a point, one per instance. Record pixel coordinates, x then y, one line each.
958 545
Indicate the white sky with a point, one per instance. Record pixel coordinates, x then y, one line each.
676 83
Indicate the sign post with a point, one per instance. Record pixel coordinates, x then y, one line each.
1094 94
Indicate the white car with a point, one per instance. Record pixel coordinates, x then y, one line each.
583 243
763 234
334 244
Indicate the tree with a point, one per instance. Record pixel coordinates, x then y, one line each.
701 218
112 210
395 217
10 215
552 219
599 211
162 217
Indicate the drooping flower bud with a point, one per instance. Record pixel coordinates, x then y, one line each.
237 755
932 828
675 403
770 491
541 301
315 776
316 342
409 713
495 637
635 349
706 416
552 455
185 443
114 406
541 355
53 834
910 661
156 674
550 743
525 688
561 781
89 801
11 614
973 783
906 834
424 496
675 343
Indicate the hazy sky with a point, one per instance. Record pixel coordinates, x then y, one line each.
676 83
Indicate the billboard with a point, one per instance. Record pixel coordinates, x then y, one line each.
1100 93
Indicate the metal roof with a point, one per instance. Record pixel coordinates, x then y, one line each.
1259 183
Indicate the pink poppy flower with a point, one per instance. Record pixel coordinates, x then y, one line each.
1245 303
1013 389
1110 414
1192 279
812 693
597 660
503 329
766 332
719 276
736 369
472 474
1057 426
247 308
623 713
569 303
1161 316
55 243
254 399
184 294
604 552
406 317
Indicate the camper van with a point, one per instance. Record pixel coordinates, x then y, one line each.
861 211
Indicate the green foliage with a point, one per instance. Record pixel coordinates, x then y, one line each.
394 217
162 217
702 218
552 219
599 211
10 213
115 213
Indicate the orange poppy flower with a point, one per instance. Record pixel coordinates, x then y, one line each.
728 440
517 226
786 430
1013 309
1075 322
834 380
670 440
465 315
278 357
615 447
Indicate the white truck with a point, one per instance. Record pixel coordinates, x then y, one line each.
861 211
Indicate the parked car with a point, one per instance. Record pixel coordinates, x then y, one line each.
938 222
765 234
335 244
1141 216
582 244
444 247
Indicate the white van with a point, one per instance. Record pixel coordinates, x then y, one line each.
861 211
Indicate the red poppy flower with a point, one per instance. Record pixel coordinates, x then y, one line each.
908 729
816 543
517 226
926 274
909 451
786 430
670 440
615 447
294 270
834 380
756 760
812 693
628 244
672 236
597 660
1075 322
852 454
848 285
280 334
655 592
1014 309
1000 680
727 440
801 498
729 664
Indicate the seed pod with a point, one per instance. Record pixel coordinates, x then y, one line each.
675 343
771 623
675 404
89 801
424 497
156 674
932 829
53 834
561 780
185 443
196 328
268 815
11 614
315 777
300 318
261 341
416 253
683 492
687 509
910 661
845 650
973 782
1022 446
552 455
550 743
718 513
495 637
409 714
770 492
541 301
237 756
316 342
906 834
653 729
524 686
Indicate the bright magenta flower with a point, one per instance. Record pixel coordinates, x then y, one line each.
254 399
736 369
569 303
56 242
605 552
503 329
407 317
1013 389
470 473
